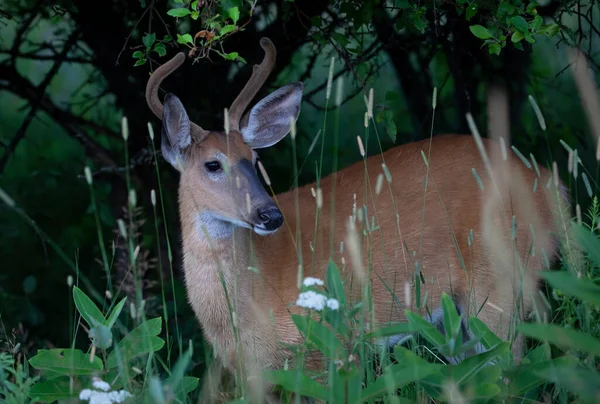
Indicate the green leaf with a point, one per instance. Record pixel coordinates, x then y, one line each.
424 328
480 31
138 54
549 29
231 56
66 362
178 383
188 384
29 284
452 320
481 332
569 284
160 49
179 12
494 48
101 336
141 340
519 23
114 314
564 338
88 310
505 8
471 11
527 377
583 382
234 14
334 283
471 366
517 36
149 39
227 29
390 331
295 381
589 242
185 39
397 376
318 334
52 390
140 62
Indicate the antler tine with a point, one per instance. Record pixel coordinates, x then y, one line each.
258 78
154 82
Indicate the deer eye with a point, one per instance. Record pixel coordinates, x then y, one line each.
213 166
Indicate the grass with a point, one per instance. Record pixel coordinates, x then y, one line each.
133 348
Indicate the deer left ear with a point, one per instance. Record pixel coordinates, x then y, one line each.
269 120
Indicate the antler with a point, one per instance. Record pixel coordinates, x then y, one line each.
152 90
259 75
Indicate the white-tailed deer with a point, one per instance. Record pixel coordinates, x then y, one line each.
241 272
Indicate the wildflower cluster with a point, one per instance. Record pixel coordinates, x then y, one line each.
101 393
311 299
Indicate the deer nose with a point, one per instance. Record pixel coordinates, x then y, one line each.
271 217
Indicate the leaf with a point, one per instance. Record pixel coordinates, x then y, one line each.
452 321
334 284
549 29
227 29
517 36
185 39
149 39
160 49
29 284
527 377
66 362
234 14
471 11
564 338
177 381
187 385
88 310
519 23
179 12
589 242
141 340
584 382
481 332
494 48
52 390
101 336
581 288
138 54
114 314
231 56
140 62
424 328
318 334
295 381
390 331
472 365
480 31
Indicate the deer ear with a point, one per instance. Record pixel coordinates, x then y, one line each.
175 131
269 120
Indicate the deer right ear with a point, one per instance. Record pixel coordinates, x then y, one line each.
175 131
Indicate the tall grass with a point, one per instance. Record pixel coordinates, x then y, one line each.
132 346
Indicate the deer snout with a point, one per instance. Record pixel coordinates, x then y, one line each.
270 218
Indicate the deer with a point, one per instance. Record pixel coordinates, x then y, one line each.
241 265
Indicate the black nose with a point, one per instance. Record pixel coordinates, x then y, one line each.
271 218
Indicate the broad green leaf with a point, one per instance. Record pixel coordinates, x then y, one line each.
517 36
472 365
114 314
581 288
481 332
227 29
390 331
148 39
451 318
588 242
471 10
52 390
101 336
334 283
179 12
234 14
480 31
160 49
519 23
188 384
424 328
295 381
66 362
583 382
177 381
564 338
494 48
88 310
138 54
395 377
185 39
141 340
527 377
140 62
320 335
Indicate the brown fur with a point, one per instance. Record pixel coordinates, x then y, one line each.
454 205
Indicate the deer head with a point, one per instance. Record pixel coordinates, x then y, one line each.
218 169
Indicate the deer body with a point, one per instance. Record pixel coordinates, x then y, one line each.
229 223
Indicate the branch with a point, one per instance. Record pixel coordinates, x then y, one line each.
39 92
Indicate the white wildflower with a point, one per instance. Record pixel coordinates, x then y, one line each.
100 384
311 300
333 304
310 281
102 395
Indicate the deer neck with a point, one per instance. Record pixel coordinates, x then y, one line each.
215 258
